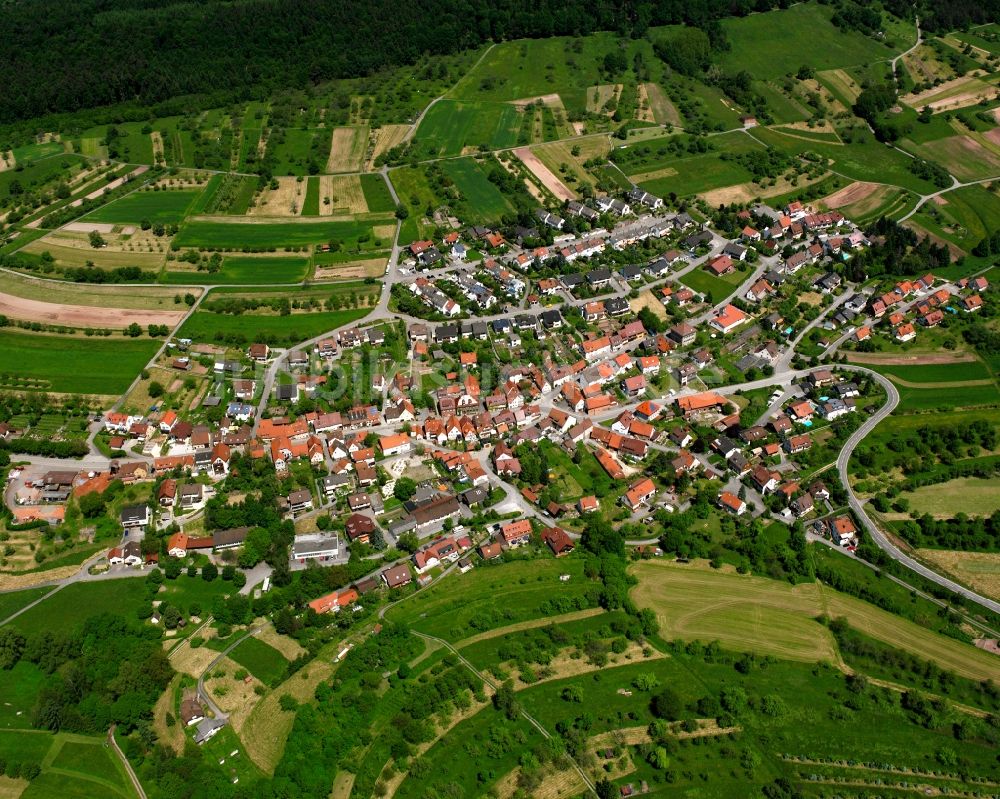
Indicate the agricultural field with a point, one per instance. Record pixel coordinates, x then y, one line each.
377 196
561 161
975 496
964 156
768 617
979 570
246 269
70 606
267 324
63 364
451 127
152 206
237 235
72 766
347 149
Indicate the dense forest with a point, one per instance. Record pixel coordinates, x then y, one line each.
88 53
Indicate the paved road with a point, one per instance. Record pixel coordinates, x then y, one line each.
202 693
858 507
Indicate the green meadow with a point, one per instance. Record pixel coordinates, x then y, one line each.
154 206
237 235
89 365
246 269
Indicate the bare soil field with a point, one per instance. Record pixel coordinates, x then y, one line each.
157 142
347 149
11 788
387 137
952 94
745 192
544 174
286 200
371 267
7 160
890 359
345 194
647 300
644 111
853 193
89 227
82 315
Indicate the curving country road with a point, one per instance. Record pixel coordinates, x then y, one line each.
883 541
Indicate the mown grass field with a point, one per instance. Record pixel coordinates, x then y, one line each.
768 617
263 661
74 365
15 600
973 496
18 694
467 604
770 45
69 607
154 206
246 269
236 236
377 194
73 766
715 287
451 126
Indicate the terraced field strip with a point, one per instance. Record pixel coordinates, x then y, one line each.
663 110
530 625
769 617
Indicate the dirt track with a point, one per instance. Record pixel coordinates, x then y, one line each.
909 360
544 174
82 315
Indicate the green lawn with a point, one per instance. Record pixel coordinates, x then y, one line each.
774 44
450 126
936 373
466 604
185 590
263 661
73 365
239 236
716 287
239 269
67 609
154 206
